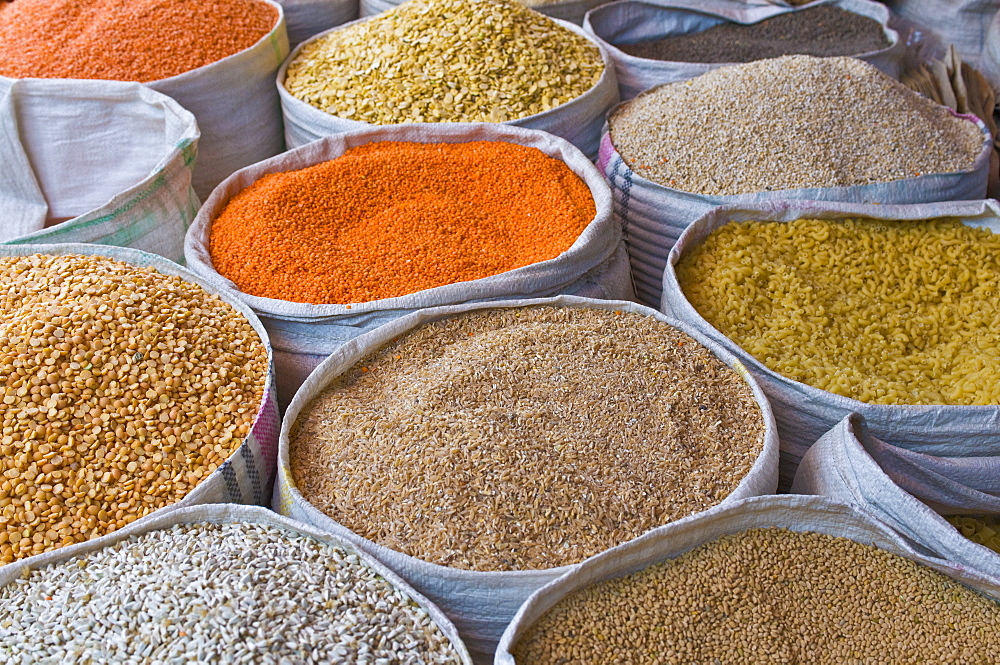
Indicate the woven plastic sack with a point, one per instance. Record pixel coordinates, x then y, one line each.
248 474
480 603
960 22
229 514
805 413
112 159
631 21
989 65
303 335
797 513
909 487
579 121
653 216
236 106
306 18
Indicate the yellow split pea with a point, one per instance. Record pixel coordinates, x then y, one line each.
122 388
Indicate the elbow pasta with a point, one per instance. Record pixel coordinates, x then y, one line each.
983 530
882 312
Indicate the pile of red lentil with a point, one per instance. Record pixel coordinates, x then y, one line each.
125 40
391 218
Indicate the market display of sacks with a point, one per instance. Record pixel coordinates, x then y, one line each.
133 387
223 583
624 26
910 487
413 216
549 75
798 127
218 67
770 578
58 139
483 450
881 310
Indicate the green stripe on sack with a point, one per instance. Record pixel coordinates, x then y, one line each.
66 228
276 45
189 151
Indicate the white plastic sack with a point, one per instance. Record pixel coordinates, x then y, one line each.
236 106
572 11
303 334
247 476
306 18
653 216
480 603
230 514
805 413
631 21
910 487
959 22
797 513
113 159
989 65
579 121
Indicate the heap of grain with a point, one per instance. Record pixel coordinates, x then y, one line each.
126 40
445 61
789 123
899 312
387 218
769 595
824 30
216 593
123 388
526 438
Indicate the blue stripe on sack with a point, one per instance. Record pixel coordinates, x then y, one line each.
232 486
251 463
622 203
625 187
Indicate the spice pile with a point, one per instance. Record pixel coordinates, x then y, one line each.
821 31
529 438
789 123
901 312
213 593
982 530
125 40
123 388
445 61
769 596
387 219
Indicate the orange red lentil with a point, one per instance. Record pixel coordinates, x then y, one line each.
126 40
391 218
